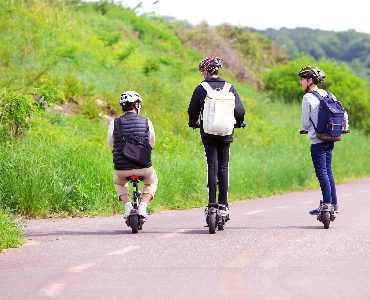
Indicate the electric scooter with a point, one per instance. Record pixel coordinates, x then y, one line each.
134 220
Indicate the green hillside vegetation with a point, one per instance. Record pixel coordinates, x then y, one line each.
349 46
65 65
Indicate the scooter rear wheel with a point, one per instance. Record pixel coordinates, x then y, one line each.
326 219
212 222
134 224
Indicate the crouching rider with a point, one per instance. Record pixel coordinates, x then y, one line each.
130 159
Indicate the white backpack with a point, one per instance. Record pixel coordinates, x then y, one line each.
218 113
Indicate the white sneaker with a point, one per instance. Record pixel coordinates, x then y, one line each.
206 211
142 210
223 210
128 209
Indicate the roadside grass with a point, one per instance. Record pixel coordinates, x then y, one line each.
10 231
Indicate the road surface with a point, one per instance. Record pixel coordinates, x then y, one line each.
271 249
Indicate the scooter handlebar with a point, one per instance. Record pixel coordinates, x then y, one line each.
242 125
344 131
194 125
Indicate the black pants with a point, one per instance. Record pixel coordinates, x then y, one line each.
217 156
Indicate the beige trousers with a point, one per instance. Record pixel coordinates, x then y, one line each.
150 180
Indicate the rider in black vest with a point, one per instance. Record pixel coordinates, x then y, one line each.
131 125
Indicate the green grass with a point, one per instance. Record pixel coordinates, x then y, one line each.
10 231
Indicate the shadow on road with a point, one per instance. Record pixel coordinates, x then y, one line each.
275 227
78 233
161 231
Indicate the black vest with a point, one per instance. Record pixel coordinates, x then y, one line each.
132 124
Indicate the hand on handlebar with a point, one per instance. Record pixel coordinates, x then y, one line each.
194 125
304 131
240 125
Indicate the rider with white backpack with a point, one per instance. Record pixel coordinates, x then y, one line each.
220 110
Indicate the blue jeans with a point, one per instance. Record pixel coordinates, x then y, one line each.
321 155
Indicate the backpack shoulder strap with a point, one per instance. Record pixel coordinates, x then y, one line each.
206 86
317 94
226 87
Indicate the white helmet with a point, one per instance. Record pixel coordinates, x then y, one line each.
129 97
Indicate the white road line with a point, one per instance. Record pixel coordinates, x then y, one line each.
362 192
124 250
281 207
172 234
81 268
52 290
345 195
253 212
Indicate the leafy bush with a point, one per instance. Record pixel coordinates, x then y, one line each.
283 84
17 107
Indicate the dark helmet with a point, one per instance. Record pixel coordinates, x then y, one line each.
312 72
211 64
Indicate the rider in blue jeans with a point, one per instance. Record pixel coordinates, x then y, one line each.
321 151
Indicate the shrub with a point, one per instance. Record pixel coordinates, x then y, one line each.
17 107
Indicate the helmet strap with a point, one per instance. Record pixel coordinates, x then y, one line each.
308 86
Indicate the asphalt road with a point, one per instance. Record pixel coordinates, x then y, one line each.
271 249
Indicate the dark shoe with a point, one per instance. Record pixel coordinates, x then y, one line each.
316 211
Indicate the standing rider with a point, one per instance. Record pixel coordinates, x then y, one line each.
216 147
132 125
321 151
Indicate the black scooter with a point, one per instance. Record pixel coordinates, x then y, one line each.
134 220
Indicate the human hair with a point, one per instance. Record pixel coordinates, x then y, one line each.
129 106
